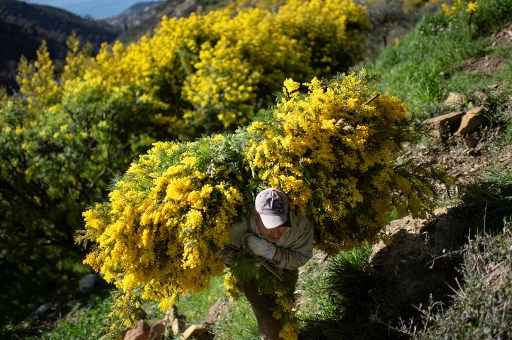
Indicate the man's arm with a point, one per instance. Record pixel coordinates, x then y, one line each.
291 257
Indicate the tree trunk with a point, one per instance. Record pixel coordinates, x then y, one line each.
263 307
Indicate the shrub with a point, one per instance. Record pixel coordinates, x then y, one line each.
64 137
167 219
54 162
208 72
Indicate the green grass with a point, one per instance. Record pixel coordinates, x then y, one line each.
466 82
83 322
427 64
89 321
417 69
195 306
238 323
339 300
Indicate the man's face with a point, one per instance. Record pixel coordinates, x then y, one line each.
270 234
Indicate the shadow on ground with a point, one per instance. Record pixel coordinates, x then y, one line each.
420 262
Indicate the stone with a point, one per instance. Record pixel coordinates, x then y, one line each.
480 97
41 311
198 331
444 125
87 283
216 311
176 326
455 100
176 321
471 121
186 8
140 332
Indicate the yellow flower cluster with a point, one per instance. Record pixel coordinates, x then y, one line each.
165 222
333 152
208 71
37 81
460 6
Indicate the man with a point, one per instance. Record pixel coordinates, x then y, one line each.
275 233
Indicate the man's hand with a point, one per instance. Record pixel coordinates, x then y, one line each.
260 247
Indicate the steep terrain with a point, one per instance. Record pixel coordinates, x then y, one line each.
143 17
443 276
135 15
23 26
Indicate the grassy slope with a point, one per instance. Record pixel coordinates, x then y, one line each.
428 63
421 69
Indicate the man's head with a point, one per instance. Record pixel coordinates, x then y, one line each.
272 206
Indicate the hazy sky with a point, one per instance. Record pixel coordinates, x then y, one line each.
95 8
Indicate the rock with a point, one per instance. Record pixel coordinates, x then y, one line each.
470 121
455 100
140 332
87 283
157 330
41 311
186 8
177 327
216 311
480 97
177 321
198 331
444 125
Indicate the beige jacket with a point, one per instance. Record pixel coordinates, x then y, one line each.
291 251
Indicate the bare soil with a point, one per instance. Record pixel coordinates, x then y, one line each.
467 163
484 65
503 38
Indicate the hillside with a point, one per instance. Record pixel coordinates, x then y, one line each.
143 17
136 15
23 26
396 142
96 9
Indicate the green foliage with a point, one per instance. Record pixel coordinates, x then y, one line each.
54 162
340 299
492 14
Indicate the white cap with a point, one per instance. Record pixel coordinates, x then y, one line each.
272 206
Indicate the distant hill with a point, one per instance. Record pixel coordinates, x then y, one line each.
97 9
142 17
136 15
24 26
